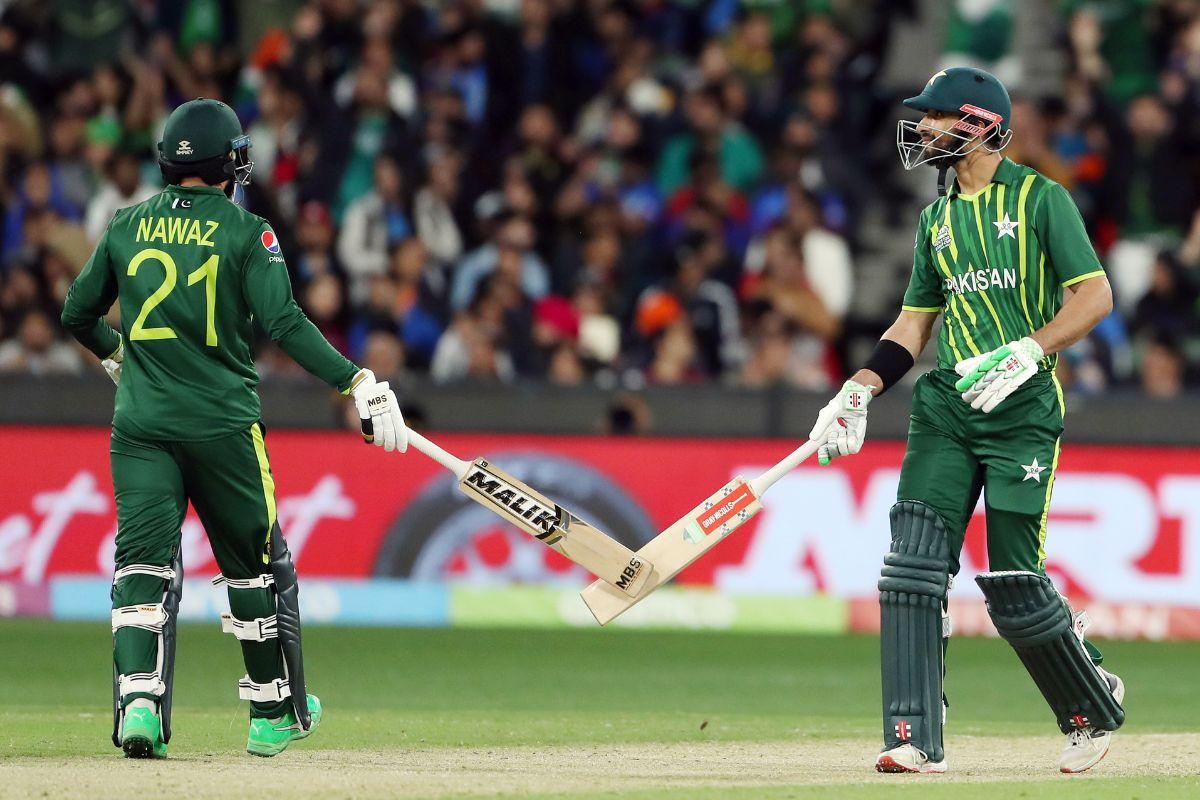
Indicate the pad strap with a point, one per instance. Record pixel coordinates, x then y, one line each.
166 573
150 617
259 582
272 692
143 683
250 630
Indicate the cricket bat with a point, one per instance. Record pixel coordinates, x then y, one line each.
613 563
697 532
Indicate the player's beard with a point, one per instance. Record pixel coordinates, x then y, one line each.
954 147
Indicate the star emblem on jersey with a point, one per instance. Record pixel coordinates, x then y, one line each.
1033 472
1005 227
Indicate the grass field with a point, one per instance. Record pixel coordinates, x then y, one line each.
579 714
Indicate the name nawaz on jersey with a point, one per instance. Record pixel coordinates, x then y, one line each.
978 280
176 230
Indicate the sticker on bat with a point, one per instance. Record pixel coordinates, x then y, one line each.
715 514
550 520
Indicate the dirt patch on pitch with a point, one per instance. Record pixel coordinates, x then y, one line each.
523 771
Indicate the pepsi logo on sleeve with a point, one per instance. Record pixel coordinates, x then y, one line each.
270 241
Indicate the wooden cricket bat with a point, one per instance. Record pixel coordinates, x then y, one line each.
697 532
613 563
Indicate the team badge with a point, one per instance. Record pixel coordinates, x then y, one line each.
269 241
1033 472
1005 227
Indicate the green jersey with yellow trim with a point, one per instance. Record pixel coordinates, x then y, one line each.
996 262
190 271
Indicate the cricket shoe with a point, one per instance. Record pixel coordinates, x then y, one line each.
1087 746
908 758
141 731
270 737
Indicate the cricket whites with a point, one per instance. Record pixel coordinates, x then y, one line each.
617 567
693 535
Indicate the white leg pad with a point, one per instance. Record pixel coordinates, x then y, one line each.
148 616
250 630
272 692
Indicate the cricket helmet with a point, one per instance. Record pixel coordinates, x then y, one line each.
204 138
984 109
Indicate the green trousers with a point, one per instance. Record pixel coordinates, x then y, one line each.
229 483
1010 455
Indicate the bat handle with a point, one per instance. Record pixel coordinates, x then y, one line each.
795 459
455 465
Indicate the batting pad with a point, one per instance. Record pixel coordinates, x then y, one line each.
912 589
1035 619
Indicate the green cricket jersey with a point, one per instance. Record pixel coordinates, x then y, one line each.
191 270
996 262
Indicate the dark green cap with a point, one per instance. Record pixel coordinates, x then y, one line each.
951 89
198 130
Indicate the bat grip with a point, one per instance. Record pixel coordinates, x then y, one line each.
452 463
795 459
455 465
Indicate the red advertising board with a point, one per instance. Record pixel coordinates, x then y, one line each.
1124 527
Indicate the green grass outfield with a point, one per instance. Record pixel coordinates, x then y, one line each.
447 691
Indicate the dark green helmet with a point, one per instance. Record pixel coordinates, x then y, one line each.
984 109
204 138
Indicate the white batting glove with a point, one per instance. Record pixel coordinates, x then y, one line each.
112 364
379 412
841 426
989 378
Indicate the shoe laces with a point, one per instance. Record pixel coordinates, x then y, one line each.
1080 737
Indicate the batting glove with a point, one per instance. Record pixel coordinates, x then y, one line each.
841 426
379 412
112 364
989 378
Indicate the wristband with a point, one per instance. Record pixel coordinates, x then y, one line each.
891 361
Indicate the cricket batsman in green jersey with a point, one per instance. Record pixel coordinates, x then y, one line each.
191 270
1003 257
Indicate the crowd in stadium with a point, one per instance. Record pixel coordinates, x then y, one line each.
633 191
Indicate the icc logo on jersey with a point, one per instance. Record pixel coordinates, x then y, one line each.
269 241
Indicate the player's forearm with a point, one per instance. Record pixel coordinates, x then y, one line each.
91 331
911 331
301 340
1090 302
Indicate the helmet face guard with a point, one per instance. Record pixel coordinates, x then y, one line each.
239 168
952 143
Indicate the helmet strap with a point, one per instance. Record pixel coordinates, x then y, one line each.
942 170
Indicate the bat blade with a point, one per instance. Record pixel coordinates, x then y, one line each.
612 562
693 535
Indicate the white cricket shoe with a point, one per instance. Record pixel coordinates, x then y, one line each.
1087 746
908 758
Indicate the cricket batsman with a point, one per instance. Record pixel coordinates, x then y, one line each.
1003 257
191 270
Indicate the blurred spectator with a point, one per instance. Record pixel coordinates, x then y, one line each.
123 188
35 349
513 242
1162 369
713 135
373 225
